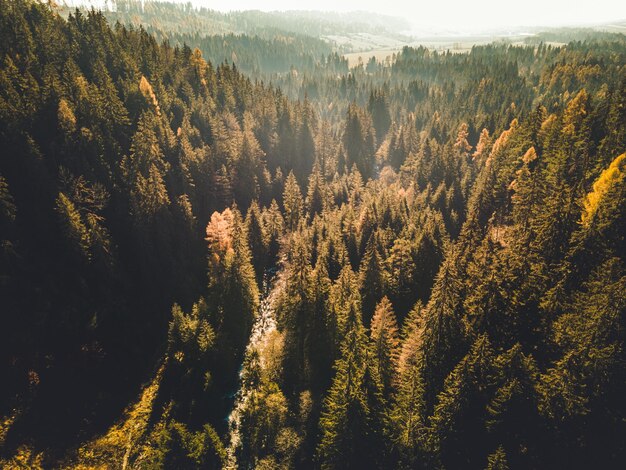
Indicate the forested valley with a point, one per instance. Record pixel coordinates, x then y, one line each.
413 264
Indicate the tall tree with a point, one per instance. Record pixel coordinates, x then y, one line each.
385 346
293 202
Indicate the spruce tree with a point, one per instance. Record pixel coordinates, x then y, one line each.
293 202
385 346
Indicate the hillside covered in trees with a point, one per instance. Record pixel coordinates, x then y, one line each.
412 264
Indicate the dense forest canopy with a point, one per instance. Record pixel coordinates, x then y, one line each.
254 263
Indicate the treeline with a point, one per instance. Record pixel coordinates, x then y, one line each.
256 57
451 248
577 34
186 18
260 53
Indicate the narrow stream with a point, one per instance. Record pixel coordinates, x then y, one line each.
263 326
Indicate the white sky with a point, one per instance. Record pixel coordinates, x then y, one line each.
464 14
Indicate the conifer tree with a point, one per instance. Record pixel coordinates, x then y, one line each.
315 198
458 431
407 427
248 169
292 202
497 460
372 276
257 240
403 274
359 141
273 225
442 339
233 291
385 346
346 433
306 143
378 107
295 314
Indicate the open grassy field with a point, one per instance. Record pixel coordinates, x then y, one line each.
455 45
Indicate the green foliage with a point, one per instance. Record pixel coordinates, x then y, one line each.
74 226
190 337
257 240
232 282
263 421
293 202
385 345
348 433
177 447
497 460
359 141
373 285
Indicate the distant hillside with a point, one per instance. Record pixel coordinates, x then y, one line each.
185 18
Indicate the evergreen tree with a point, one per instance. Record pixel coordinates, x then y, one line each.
292 202
359 141
315 198
378 107
346 439
372 279
385 346
257 241
497 460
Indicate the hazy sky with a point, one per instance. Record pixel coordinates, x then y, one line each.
454 13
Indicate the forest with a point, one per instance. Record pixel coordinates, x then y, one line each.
275 261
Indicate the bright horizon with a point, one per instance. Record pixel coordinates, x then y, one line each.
441 15
447 14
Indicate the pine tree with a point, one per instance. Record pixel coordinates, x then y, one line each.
73 224
482 148
461 143
403 274
487 304
247 170
372 276
315 199
385 346
306 143
274 224
233 291
585 381
497 460
346 433
295 314
359 141
442 339
407 417
516 401
378 107
257 240
149 195
292 202
190 341
458 422
342 294
286 148
320 335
